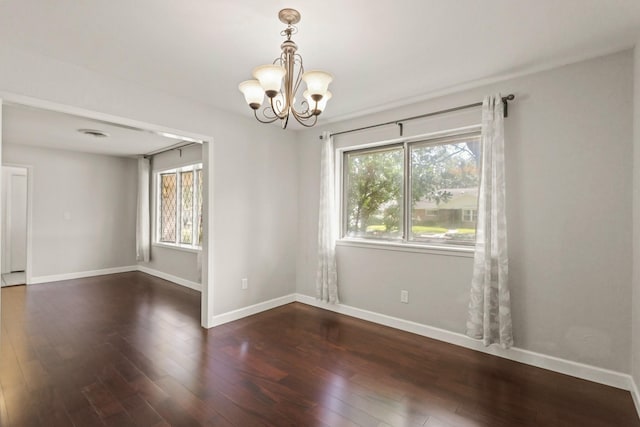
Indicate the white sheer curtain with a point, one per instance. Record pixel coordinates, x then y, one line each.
489 316
327 276
143 229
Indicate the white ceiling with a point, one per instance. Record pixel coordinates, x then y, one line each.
381 52
49 129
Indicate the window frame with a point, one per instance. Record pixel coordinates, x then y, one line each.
195 246
345 183
406 243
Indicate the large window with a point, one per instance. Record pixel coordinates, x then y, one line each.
179 206
418 192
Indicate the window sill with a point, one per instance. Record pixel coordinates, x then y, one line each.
177 248
458 251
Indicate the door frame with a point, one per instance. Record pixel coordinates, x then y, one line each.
207 293
6 248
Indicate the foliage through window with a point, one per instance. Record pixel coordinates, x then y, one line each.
417 192
179 206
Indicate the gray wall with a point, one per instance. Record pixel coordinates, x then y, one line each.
254 171
83 209
569 170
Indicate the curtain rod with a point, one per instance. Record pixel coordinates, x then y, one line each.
178 146
399 122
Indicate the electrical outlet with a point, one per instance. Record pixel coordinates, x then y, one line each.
404 297
245 283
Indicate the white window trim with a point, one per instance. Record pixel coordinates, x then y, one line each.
397 246
191 167
403 245
185 248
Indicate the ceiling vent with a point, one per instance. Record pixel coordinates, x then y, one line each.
94 132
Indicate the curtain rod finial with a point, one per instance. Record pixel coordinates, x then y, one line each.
509 97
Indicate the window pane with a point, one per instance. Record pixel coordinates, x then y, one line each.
186 231
444 191
168 187
373 193
199 212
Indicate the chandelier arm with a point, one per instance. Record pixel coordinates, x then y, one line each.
306 110
303 122
255 113
304 115
298 59
269 113
281 115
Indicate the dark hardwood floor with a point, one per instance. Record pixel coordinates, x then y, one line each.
127 350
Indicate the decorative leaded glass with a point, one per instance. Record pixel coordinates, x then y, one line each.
186 181
179 206
168 187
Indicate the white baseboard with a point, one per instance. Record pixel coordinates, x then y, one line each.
171 278
635 395
81 274
230 316
563 366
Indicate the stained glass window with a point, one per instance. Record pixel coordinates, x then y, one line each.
179 206
168 207
186 231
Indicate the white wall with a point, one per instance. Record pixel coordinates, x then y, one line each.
635 331
254 172
83 209
175 262
569 169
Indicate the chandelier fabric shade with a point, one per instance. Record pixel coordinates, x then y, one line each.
281 81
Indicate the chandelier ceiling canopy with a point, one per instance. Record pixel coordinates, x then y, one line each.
280 82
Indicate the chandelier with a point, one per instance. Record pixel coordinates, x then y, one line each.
280 81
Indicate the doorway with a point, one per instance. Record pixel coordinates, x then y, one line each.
15 198
14 107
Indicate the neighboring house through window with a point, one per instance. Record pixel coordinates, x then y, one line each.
422 192
469 215
179 206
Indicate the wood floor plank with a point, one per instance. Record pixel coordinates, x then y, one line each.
50 406
128 350
104 403
141 412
